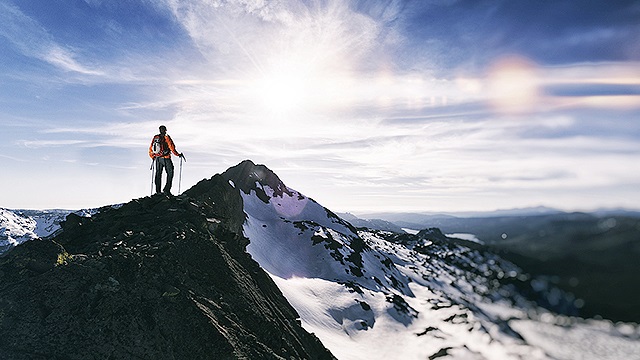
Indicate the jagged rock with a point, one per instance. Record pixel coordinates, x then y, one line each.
246 174
158 278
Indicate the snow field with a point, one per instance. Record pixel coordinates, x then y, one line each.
405 305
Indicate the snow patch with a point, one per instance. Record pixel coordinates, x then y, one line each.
465 236
410 231
18 226
592 340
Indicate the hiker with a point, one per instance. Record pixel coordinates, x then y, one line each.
160 150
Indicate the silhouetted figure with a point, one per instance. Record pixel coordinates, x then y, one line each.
160 150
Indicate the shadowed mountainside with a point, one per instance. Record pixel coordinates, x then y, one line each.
594 256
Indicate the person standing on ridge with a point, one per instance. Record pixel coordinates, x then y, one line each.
160 151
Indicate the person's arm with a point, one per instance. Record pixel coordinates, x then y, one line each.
151 154
172 146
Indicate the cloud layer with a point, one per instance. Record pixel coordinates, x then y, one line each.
364 105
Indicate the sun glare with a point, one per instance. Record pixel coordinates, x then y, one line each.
296 84
305 64
284 88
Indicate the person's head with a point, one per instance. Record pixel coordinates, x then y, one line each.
163 129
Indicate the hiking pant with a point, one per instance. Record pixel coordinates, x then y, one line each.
167 165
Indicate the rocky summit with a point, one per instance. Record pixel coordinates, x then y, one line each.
157 278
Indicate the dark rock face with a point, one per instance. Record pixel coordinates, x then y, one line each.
248 177
158 278
246 174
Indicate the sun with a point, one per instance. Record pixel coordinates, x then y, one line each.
309 77
286 87
305 64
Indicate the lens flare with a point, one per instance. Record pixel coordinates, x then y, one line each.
513 85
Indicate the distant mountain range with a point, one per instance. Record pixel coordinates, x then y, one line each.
243 267
592 255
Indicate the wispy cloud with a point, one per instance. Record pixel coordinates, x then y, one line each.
30 38
33 144
64 59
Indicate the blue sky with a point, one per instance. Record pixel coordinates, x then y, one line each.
439 105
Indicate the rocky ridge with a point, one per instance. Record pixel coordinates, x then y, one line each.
158 278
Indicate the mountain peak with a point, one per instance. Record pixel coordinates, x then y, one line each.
248 176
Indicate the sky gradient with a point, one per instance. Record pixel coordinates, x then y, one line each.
373 105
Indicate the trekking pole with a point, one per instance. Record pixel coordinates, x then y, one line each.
153 162
180 181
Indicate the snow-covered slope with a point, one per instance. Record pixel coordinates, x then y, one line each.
379 295
18 226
